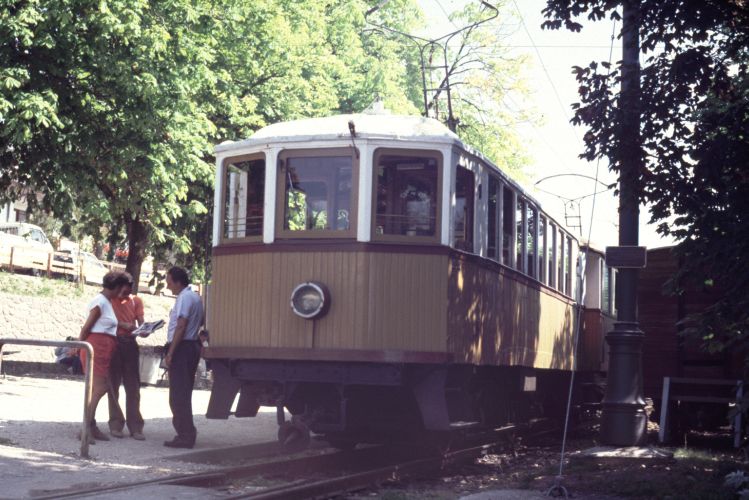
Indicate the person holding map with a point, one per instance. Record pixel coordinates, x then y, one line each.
125 365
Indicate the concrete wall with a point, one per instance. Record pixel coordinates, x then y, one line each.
54 318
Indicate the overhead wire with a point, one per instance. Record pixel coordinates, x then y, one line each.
546 72
447 16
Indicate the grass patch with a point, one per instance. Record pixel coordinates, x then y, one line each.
20 284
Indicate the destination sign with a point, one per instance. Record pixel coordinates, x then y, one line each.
631 257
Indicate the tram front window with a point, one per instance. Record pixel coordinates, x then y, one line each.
244 185
406 195
317 193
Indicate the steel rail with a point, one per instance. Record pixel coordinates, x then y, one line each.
87 388
384 464
360 480
323 488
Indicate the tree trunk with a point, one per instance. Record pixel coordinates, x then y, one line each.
137 240
113 240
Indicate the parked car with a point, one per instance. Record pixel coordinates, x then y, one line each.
31 247
65 265
93 269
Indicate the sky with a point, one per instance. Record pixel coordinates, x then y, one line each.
554 144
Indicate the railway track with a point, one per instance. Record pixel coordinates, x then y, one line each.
324 472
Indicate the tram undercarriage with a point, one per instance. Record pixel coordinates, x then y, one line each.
375 402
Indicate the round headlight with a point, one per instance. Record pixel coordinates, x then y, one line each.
310 300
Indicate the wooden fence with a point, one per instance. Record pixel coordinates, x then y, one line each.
71 266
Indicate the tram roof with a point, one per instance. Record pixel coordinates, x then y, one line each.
384 126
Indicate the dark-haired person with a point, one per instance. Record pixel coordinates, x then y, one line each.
183 355
100 330
68 357
125 366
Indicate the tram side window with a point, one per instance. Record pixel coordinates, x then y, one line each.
508 214
520 221
560 261
552 237
605 288
531 239
491 223
542 249
407 195
568 268
317 193
608 290
463 216
244 196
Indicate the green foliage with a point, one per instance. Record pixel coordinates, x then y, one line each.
694 123
488 81
485 80
110 109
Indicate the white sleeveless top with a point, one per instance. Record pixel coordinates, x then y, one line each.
107 322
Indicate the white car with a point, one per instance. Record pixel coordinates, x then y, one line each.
93 269
31 247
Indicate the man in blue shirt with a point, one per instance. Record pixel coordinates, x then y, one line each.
183 355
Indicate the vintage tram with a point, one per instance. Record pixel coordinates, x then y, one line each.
375 277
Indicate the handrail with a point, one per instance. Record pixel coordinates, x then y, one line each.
85 426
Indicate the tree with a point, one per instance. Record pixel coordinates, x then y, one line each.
695 123
487 80
99 110
112 108
482 77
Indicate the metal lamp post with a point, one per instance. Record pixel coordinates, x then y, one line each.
624 420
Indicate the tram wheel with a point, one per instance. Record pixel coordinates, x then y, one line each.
293 436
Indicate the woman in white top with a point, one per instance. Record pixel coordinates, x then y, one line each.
100 330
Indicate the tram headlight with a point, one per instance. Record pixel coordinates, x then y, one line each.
310 300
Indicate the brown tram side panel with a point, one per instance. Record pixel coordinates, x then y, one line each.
592 355
497 317
392 301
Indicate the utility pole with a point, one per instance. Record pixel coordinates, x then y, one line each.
624 421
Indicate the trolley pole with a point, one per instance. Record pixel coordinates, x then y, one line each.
624 421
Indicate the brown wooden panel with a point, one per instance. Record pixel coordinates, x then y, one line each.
389 300
496 318
592 348
664 352
350 355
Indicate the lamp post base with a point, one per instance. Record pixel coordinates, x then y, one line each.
623 419
623 424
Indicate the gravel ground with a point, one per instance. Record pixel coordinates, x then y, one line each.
39 452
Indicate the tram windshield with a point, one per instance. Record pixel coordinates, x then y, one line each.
317 195
406 203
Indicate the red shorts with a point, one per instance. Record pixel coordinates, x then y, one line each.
104 345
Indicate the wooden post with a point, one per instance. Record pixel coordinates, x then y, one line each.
664 410
81 281
12 249
49 264
737 419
